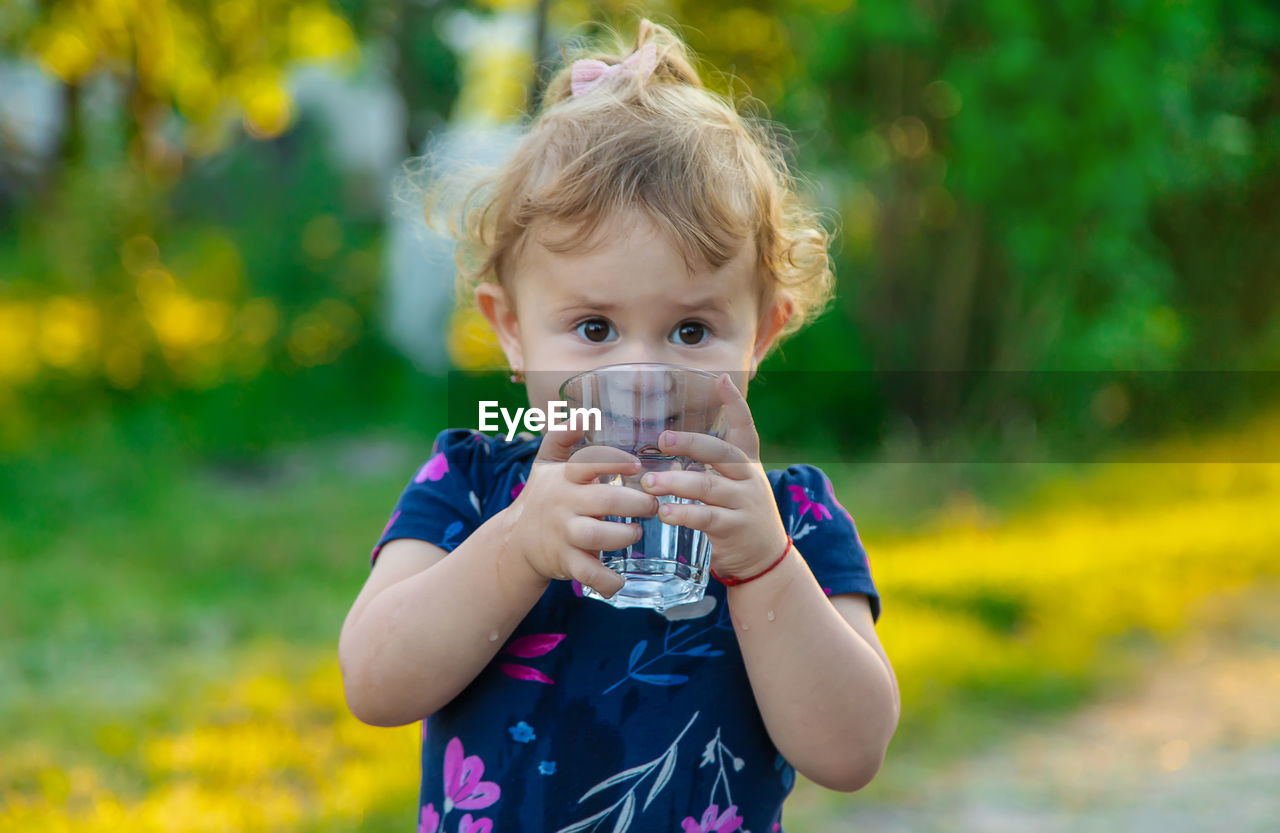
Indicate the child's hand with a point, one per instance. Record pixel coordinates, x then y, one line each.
740 515
559 523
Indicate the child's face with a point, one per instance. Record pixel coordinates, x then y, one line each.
629 298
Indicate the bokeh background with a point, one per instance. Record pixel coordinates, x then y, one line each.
226 340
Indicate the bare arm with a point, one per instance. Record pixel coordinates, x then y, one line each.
426 623
825 689
824 686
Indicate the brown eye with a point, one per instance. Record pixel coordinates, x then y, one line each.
691 333
595 330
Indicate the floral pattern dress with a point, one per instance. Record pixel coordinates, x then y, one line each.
591 718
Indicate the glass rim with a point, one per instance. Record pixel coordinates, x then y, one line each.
641 366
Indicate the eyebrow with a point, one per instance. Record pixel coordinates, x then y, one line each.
713 304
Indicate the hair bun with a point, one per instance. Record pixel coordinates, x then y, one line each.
674 61
674 64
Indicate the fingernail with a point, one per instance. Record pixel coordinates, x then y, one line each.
665 510
649 479
667 438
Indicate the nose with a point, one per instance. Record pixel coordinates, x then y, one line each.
640 352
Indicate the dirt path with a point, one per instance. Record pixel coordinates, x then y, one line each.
1193 748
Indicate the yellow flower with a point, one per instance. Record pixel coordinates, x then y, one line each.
18 360
316 32
472 343
495 84
68 332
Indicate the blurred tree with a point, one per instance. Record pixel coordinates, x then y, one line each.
207 61
1081 186
424 65
1001 167
196 260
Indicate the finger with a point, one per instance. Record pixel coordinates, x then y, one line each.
557 445
587 464
601 499
694 485
595 535
742 425
728 459
590 572
713 520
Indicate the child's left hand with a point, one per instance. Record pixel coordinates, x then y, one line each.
739 515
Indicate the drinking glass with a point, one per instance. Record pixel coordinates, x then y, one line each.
670 564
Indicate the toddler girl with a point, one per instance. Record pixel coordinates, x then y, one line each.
640 219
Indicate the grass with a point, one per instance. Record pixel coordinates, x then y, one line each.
170 626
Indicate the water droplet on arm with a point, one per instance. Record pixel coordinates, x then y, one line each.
771 616
493 636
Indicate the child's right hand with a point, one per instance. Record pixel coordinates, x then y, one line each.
558 518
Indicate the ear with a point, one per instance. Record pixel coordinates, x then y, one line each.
495 305
771 323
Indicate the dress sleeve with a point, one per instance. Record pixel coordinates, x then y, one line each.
824 533
440 504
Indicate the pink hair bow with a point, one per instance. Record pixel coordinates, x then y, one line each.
588 73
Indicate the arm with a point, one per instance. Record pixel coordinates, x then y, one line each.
825 689
423 626
427 623
824 686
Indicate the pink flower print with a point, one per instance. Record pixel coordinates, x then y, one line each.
577 588
462 785
434 469
533 645
524 672
726 822
430 820
517 489
469 825
801 496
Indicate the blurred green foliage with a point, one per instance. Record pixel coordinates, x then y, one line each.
1080 186
1023 185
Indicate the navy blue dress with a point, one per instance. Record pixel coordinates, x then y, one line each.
595 718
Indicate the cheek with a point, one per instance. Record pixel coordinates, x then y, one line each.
540 343
550 351
738 350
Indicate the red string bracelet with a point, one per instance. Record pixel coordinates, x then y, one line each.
729 581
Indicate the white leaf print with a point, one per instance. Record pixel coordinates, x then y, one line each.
587 822
617 779
804 530
629 800
624 816
709 754
475 501
664 775
738 764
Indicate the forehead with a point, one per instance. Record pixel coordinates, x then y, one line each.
628 253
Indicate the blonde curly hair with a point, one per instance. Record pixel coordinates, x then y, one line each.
708 176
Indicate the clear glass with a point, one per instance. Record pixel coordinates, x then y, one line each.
670 564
